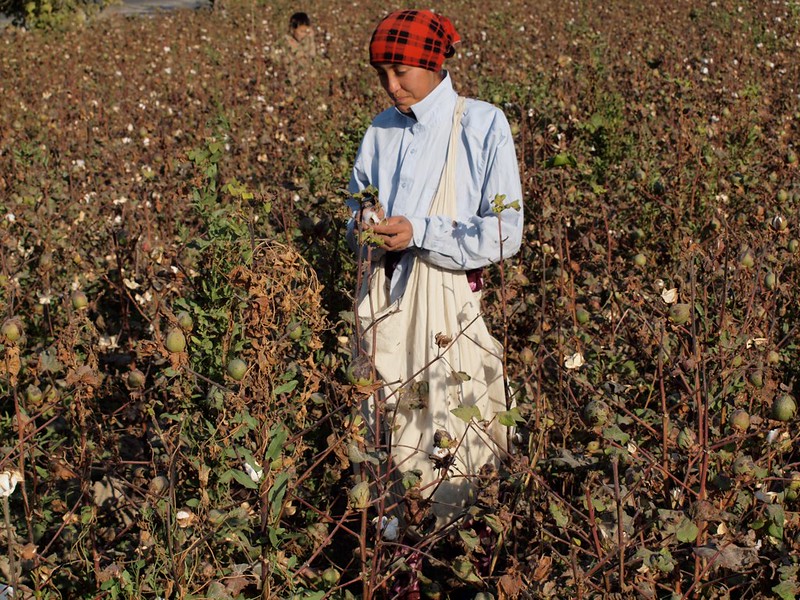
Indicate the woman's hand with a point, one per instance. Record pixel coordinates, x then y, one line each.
396 233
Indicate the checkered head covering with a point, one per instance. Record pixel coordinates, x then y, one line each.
416 38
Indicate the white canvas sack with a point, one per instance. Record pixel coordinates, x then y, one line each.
424 381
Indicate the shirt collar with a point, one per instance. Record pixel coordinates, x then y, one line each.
441 99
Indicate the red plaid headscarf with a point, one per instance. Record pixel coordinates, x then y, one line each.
417 38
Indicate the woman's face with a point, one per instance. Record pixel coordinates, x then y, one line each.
406 85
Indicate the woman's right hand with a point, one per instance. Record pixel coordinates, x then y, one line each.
396 233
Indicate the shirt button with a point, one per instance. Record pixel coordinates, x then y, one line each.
413 151
403 185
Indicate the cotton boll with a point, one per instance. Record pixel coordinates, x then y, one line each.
8 482
370 216
388 528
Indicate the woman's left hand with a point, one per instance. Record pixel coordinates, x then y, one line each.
396 233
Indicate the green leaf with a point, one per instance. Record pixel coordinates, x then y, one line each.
461 375
787 590
87 515
465 570
244 479
356 456
663 561
276 444
777 517
494 523
559 515
775 531
216 591
467 413
273 533
276 494
499 204
776 513
411 478
172 417
469 538
509 418
615 434
597 188
561 160
760 472
687 531
285 388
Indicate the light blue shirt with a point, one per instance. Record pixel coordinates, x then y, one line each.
404 157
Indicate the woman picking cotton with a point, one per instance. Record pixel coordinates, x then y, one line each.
444 168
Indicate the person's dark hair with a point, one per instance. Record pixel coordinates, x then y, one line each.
298 19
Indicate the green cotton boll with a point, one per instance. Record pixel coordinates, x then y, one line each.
596 412
784 408
756 378
747 259
176 341
680 313
11 330
236 369
743 465
739 420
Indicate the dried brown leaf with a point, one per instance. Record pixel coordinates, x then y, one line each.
543 568
729 556
511 584
11 364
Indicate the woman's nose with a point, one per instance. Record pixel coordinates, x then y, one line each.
392 85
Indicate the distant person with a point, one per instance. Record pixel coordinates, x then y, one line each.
300 39
298 53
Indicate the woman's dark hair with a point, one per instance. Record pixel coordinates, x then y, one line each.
298 19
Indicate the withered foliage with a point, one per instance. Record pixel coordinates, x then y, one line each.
173 181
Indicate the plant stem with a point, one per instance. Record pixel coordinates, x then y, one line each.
620 523
664 415
366 593
12 562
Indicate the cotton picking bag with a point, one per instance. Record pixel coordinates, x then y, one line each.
426 375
